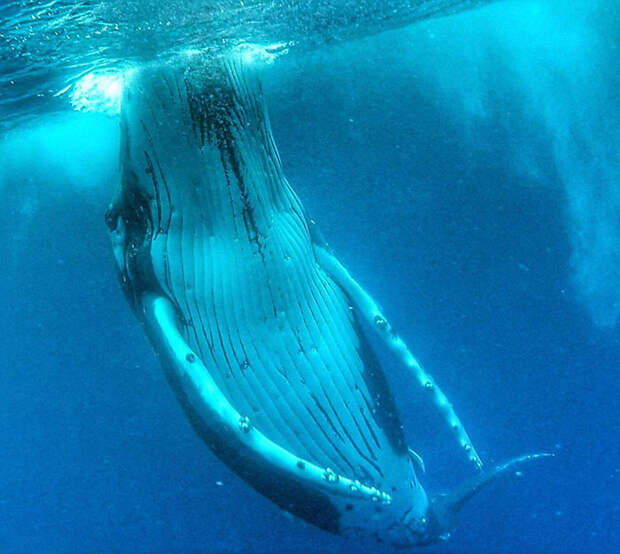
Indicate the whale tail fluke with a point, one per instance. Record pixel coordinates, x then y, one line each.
446 506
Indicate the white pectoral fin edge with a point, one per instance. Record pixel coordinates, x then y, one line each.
160 317
373 315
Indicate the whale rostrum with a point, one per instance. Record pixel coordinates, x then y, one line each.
259 327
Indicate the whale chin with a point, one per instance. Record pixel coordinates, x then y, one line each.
259 327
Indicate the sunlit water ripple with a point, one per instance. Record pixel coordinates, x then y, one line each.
45 46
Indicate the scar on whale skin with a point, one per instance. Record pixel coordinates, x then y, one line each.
250 313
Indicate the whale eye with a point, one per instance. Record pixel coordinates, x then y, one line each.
111 219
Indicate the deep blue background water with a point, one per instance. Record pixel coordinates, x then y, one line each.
464 173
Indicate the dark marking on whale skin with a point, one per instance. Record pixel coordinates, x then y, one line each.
150 170
292 496
387 417
249 221
133 208
329 439
370 429
217 116
364 456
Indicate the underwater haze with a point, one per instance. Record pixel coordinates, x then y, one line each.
466 170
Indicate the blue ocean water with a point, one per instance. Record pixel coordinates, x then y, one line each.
466 171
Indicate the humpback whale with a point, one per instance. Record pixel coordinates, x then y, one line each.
260 329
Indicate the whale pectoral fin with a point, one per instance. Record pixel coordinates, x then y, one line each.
373 315
213 407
